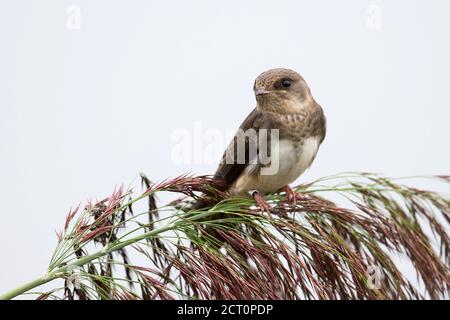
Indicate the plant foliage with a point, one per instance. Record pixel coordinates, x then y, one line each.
127 247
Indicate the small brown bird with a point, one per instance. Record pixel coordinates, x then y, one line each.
288 123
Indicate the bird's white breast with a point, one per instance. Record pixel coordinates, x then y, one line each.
288 161
292 159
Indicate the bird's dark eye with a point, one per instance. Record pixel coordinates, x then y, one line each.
286 83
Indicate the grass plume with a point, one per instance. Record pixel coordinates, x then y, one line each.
127 247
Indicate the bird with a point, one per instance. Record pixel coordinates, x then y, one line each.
276 142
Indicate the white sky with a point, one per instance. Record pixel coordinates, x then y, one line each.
84 110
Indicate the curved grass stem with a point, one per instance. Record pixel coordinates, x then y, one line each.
55 274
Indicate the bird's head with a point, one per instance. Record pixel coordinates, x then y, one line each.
282 91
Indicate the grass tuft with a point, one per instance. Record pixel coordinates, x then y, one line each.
128 247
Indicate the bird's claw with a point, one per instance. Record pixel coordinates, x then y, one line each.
261 202
291 195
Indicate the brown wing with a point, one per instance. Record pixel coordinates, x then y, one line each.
233 164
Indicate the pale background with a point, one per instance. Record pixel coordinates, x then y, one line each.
83 110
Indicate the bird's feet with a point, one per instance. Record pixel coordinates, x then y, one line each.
291 195
261 202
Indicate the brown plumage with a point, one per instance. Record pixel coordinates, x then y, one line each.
250 167
284 103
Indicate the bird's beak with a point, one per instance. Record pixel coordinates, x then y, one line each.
261 92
